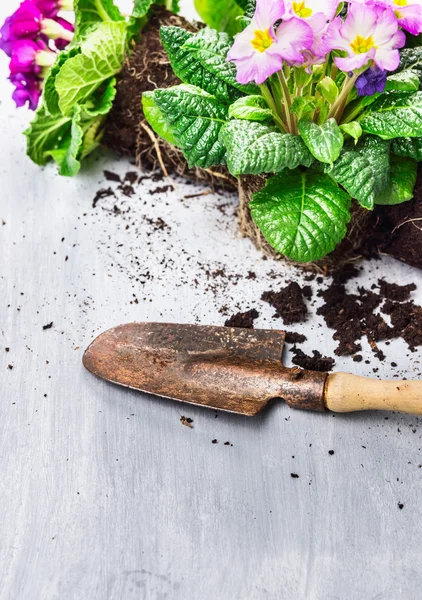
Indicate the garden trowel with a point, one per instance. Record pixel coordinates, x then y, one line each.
237 370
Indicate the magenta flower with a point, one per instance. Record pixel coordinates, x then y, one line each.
27 90
61 42
315 12
6 37
51 8
30 57
259 50
369 33
28 22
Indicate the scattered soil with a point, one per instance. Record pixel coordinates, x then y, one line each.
126 131
295 338
102 193
244 320
294 475
289 302
317 362
187 421
392 291
48 326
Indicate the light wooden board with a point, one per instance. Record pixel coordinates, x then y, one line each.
104 493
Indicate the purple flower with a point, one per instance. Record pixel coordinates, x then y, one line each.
27 90
50 8
259 50
29 57
6 37
62 42
371 81
26 21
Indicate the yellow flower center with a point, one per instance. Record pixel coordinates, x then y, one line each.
302 11
362 45
400 2
262 40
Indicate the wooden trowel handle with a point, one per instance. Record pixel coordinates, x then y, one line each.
348 393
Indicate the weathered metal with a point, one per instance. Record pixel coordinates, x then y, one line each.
237 370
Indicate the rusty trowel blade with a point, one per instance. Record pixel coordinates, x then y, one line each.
237 370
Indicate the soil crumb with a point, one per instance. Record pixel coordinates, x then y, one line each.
295 338
187 421
317 362
243 319
289 302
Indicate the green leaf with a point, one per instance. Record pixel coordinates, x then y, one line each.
196 118
394 115
44 134
251 108
303 215
156 119
89 12
66 155
101 102
363 171
102 55
406 81
255 148
404 173
190 70
411 147
411 58
220 14
304 106
141 8
93 133
210 48
324 141
328 88
353 129
50 97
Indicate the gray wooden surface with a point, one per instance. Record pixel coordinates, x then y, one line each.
104 493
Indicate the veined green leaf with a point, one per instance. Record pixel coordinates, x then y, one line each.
353 129
210 48
190 70
251 108
303 215
394 115
89 12
156 119
101 102
323 141
255 148
220 14
406 81
196 118
50 98
66 156
102 55
44 135
363 171
404 172
411 147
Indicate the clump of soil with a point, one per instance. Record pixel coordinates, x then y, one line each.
289 302
317 362
126 131
355 316
244 320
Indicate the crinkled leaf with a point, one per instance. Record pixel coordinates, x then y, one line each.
363 171
102 55
190 70
70 147
89 12
101 102
304 106
303 215
93 133
394 115
156 119
323 141
411 147
404 172
220 14
353 129
411 58
44 135
406 81
196 118
50 95
250 108
255 148
210 48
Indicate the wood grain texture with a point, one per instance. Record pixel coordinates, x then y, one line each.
348 393
104 493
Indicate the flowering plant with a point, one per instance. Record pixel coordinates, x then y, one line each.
322 98
67 72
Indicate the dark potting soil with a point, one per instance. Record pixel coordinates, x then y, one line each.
289 302
317 362
244 320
